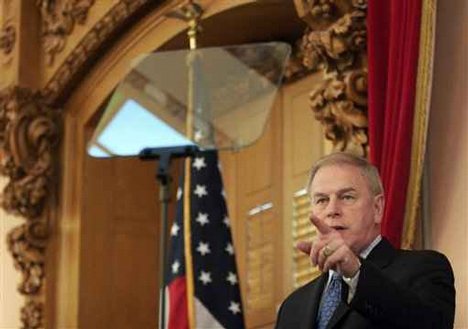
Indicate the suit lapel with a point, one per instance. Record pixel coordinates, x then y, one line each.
312 304
381 256
340 311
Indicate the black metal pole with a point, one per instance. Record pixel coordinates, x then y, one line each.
165 155
164 198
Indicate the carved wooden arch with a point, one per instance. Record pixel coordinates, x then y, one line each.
33 122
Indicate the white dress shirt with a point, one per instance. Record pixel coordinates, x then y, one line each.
352 282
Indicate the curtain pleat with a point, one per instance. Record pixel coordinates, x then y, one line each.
393 49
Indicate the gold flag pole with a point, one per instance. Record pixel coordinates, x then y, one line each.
191 13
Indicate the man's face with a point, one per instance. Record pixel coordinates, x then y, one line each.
341 197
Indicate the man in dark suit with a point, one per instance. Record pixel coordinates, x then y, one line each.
365 282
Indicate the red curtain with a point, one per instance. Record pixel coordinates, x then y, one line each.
393 47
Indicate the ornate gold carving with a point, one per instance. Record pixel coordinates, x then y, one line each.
58 20
101 32
335 43
28 138
32 315
338 105
7 38
316 12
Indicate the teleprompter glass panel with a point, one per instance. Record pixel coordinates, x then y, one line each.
228 92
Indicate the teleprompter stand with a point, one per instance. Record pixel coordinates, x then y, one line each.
163 176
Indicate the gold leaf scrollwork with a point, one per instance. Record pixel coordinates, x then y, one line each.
71 68
27 245
58 22
7 38
336 48
28 139
335 43
29 136
340 106
316 12
31 315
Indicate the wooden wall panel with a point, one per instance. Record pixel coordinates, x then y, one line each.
119 277
258 216
134 283
255 163
303 135
303 144
95 243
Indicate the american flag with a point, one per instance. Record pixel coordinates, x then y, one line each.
202 279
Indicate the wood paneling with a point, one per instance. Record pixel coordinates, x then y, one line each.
134 281
119 276
302 230
258 183
256 163
303 143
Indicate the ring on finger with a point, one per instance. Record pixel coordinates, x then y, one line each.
327 251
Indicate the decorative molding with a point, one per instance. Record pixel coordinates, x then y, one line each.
112 22
28 140
32 315
7 38
295 67
58 20
338 104
335 44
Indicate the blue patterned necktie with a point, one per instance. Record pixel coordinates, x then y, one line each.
330 301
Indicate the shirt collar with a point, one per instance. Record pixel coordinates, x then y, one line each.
371 246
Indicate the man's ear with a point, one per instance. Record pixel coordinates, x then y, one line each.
379 205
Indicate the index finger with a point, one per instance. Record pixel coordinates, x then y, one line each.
305 247
320 225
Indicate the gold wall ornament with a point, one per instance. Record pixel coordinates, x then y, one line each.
7 38
335 44
29 135
295 68
58 20
339 104
28 141
32 315
86 50
316 12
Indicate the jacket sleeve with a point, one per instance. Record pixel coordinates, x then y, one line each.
425 299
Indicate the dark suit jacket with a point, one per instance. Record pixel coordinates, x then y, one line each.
396 289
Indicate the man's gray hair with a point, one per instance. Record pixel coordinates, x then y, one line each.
369 171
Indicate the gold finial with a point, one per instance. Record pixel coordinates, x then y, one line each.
191 13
